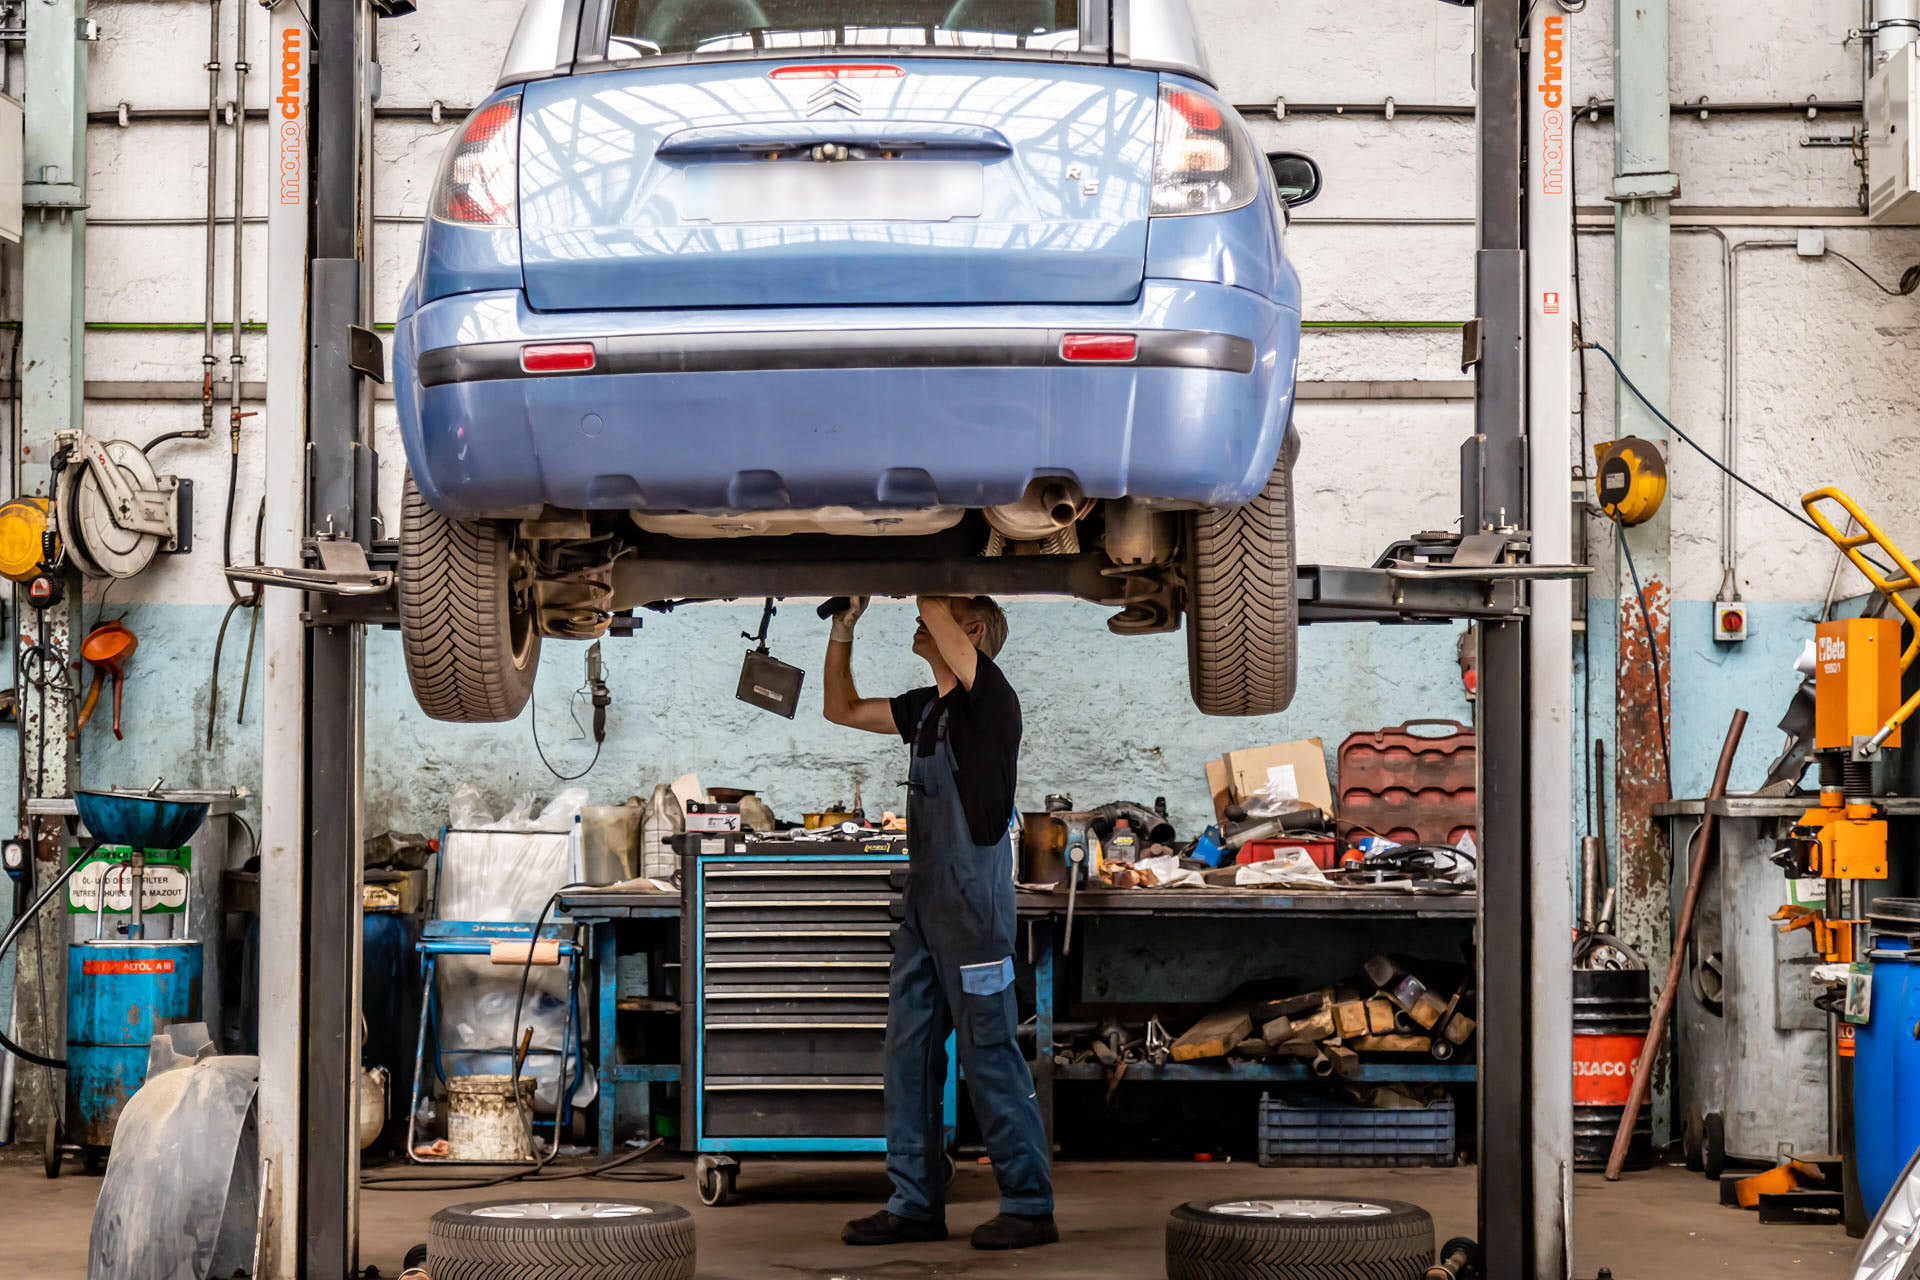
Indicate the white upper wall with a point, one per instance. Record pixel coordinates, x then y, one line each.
1827 361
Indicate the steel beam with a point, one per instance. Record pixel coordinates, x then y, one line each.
53 271
1551 409
1494 499
1643 189
283 790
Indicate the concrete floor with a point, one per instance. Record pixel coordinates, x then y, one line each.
786 1225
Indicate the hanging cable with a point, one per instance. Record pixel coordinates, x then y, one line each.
1908 281
533 706
1693 444
6 941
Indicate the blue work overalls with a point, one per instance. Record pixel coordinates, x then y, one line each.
953 971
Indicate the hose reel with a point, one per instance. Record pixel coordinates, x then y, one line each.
114 513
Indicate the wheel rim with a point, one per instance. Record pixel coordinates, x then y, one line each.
557 1210
1895 1237
522 635
1317 1209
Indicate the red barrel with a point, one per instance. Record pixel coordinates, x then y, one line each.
1611 1014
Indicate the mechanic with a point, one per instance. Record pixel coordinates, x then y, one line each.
953 952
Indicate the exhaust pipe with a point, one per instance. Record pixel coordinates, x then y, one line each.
1049 505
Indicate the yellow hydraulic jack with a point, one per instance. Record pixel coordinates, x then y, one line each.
1858 664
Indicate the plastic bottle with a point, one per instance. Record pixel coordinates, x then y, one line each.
1122 845
664 818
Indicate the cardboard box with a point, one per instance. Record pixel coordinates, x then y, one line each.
1300 765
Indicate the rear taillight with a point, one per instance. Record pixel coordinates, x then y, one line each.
1202 162
1098 348
478 179
557 357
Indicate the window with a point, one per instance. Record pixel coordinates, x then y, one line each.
646 28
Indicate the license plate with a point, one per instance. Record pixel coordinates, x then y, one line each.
836 191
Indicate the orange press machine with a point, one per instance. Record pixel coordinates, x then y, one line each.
1858 711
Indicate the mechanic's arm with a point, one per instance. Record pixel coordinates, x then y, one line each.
950 638
842 703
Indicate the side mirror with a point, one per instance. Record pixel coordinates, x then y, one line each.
1297 177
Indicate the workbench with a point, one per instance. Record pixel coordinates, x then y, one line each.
1139 918
603 911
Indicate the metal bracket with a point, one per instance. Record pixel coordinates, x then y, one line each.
1473 343
1645 186
61 197
366 353
343 571
135 510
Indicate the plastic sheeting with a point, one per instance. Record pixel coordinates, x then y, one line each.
505 869
181 1199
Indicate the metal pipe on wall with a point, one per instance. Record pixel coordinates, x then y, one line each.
213 210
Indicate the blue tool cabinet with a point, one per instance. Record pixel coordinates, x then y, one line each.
786 946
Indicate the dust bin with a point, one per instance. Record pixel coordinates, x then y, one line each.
1886 1054
1611 1014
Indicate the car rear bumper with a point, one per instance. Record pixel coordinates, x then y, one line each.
728 411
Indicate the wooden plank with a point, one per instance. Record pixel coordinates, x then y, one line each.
1214 1035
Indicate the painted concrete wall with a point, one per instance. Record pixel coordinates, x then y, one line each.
1825 396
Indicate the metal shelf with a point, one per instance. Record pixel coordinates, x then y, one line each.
1289 1072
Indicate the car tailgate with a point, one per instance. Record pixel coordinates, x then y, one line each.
720 185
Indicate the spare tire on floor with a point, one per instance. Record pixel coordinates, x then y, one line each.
1301 1238
561 1240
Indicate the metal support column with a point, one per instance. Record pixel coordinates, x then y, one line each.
53 271
1521 1229
1551 429
1643 189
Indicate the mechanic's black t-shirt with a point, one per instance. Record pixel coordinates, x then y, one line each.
983 727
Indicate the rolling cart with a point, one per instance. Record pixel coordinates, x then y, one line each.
785 949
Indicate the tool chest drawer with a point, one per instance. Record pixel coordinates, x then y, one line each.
795 1107
789 944
743 1045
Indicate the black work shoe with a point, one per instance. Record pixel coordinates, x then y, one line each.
891 1228
1015 1231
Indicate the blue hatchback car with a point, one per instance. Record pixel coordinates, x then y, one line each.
741 298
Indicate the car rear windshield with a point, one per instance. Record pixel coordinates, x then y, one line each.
649 28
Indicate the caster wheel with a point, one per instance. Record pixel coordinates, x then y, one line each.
1693 1140
50 1151
1713 1146
714 1180
416 1257
953 1169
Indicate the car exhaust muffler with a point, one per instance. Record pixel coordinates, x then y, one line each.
1049 505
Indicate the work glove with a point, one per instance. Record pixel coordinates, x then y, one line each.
843 621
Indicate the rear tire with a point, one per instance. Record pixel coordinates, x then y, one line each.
1242 610
1299 1239
561 1240
471 654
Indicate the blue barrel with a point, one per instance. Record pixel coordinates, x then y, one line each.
119 996
1886 1054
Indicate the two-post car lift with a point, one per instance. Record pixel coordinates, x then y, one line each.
1499 571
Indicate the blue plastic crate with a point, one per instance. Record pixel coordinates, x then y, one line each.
1322 1133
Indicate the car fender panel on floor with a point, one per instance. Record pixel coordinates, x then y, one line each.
561 1240
1299 1238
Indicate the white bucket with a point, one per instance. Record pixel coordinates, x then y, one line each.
483 1122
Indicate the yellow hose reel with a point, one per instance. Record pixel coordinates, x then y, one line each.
23 527
1630 478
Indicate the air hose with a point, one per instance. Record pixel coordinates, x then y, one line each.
13 931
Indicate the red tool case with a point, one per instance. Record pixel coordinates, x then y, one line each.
1409 786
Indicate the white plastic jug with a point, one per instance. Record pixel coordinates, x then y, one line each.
664 818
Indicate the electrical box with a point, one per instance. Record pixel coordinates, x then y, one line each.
1893 161
1729 620
13 142
1856 679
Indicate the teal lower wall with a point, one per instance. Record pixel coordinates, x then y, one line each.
1106 717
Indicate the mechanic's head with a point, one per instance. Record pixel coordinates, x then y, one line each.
978 616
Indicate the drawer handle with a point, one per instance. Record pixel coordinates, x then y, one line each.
796 1026
784 1089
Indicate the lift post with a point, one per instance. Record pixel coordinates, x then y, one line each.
323 471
